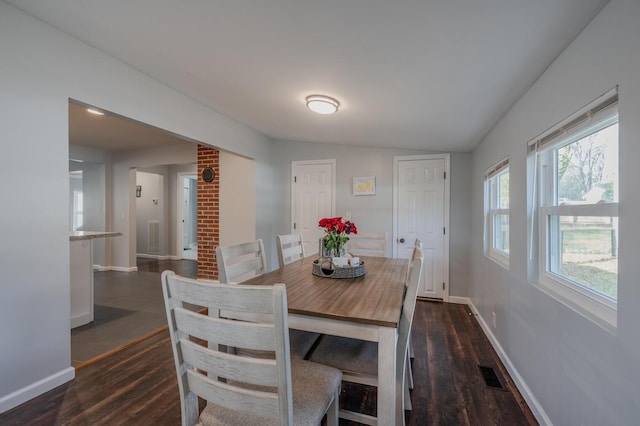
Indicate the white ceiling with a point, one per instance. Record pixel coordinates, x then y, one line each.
431 74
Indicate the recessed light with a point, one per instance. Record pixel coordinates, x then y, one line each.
95 111
322 104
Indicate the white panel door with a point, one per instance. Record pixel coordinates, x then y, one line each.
312 199
421 213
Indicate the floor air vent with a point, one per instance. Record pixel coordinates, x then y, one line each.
490 378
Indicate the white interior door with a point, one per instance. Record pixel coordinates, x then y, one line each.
312 195
421 207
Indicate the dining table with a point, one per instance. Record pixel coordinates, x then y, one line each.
367 308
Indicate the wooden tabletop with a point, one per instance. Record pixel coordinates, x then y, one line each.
375 298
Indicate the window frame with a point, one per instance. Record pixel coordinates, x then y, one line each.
492 210
593 305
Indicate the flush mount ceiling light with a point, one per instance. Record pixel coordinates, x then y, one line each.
322 104
95 111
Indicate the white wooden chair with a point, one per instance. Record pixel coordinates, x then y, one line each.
372 244
290 248
358 359
242 390
240 262
416 245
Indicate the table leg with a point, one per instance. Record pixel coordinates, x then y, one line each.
387 341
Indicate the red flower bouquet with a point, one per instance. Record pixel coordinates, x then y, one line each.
336 234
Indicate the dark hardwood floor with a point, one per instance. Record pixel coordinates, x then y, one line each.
137 386
186 268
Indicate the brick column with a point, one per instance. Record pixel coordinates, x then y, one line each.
208 213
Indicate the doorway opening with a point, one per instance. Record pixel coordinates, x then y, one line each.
187 225
107 151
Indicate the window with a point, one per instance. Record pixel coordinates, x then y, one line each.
78 213
76 207
577 204
497 212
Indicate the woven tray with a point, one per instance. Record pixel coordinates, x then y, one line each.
339 272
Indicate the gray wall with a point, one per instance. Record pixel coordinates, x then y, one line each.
374 213
575 372
41 69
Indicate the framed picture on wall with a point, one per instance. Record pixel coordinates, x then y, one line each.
365 185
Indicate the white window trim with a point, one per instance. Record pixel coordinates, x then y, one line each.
498 256
595 307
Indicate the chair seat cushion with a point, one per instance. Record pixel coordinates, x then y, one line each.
313 386
348 355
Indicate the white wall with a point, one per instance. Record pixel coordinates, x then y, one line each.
374 213
41 69
572 371
237 199
460 224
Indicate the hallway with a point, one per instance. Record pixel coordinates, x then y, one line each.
128 305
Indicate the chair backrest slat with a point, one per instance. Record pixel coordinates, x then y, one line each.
240 262
250 335
256 403
372 244
221 364
290 248
198 292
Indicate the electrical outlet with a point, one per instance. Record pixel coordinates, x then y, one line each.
493 319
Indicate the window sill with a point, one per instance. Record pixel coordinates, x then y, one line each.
498 258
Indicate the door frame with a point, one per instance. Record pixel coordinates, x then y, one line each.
447 202
179 211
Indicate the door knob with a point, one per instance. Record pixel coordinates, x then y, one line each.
401 240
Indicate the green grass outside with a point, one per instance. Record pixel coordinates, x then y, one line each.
602 281
588 260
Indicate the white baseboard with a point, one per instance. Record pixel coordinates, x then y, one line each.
532 401
101 268
79 320
153 256
459 300
123 269
20 396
